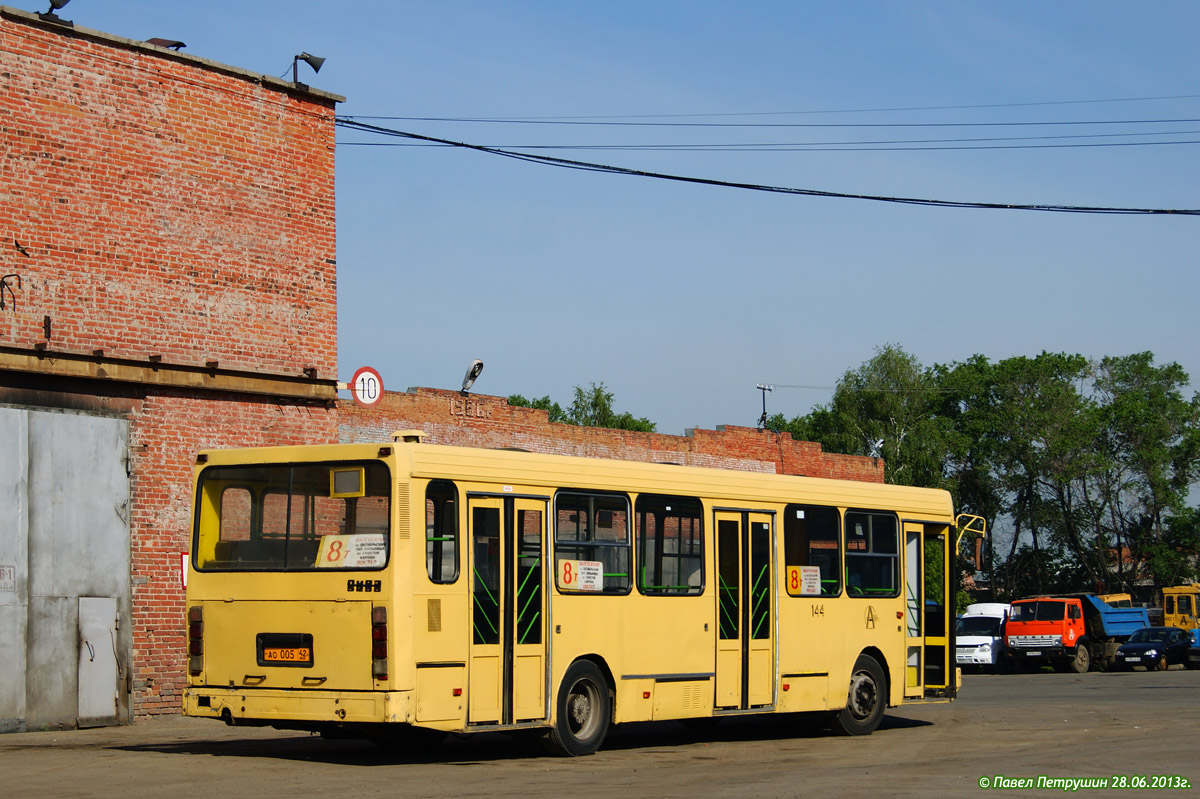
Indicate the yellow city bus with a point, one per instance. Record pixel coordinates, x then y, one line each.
1181 607
403 590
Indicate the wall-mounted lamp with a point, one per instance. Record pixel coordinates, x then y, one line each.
50 16
313 61
170 44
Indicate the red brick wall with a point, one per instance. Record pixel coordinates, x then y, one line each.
477 420
168 206
171 207
167 432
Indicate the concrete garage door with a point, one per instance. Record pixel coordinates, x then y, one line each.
64 570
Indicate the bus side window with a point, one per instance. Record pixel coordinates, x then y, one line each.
670 551
872 554
441 531
592 544
811 540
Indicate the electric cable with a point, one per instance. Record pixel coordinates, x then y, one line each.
350 124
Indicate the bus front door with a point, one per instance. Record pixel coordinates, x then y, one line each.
507 672
745 667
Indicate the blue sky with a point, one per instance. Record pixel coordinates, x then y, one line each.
681 298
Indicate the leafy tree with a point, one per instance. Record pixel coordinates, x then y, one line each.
591 407
887 408
1152 444
1081 460
553 410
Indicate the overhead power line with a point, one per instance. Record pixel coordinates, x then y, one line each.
351 124
807 125
877 145
817 112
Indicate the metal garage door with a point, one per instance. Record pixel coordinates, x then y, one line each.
64 570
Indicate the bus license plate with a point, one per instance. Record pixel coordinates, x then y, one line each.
287 655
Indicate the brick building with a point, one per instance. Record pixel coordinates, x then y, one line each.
169 285
169 240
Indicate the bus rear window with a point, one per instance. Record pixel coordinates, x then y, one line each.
293 517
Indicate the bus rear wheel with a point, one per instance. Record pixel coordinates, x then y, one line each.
583 711
866 700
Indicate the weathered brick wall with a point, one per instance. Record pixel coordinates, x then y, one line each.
477 420
167 432
173 211
169 206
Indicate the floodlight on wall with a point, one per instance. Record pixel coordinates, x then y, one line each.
314 61
50 16
170 44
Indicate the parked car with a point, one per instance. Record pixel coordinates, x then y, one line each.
979 636
1154 648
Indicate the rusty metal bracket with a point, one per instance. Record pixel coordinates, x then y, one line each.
4 285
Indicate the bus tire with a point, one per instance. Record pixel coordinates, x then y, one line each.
582 712
866 700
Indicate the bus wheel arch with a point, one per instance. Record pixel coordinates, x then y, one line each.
867 697
583 709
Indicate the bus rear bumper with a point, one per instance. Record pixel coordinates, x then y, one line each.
297 708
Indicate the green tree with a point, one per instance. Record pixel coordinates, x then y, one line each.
886 408
1151 440
1082 461
591 407
553 410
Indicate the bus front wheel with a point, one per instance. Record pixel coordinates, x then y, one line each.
866 700
583 711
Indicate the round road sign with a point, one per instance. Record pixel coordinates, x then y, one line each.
366 387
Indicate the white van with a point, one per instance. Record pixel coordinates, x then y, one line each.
979 635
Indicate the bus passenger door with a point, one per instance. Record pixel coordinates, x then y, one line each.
914 609
507 680
745 667
939 661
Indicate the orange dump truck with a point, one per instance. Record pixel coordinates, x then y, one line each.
1070 632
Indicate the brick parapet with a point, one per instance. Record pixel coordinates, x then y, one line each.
476 420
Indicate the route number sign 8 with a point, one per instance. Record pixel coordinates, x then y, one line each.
366 387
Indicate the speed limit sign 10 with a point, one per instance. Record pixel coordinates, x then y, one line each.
366 387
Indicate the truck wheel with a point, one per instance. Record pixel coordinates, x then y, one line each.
583 711
866 700
1191 664
1082 661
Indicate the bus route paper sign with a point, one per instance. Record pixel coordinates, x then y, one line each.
804 580
364 551
581 575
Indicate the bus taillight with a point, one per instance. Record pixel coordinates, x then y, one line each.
195 640
379 643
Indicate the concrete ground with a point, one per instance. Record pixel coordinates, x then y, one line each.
1123 725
